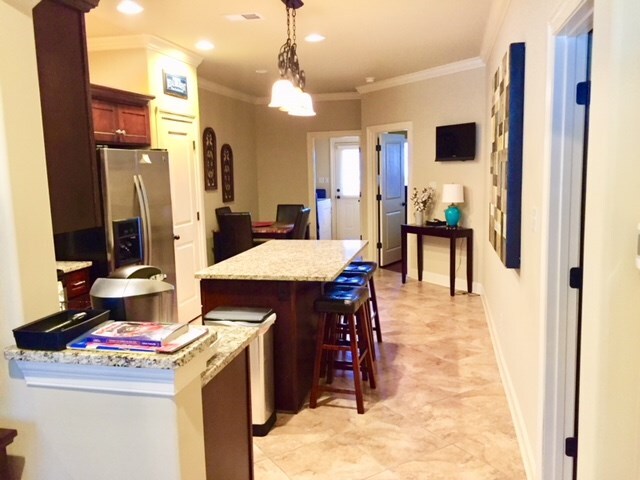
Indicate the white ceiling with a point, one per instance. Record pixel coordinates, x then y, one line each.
364 38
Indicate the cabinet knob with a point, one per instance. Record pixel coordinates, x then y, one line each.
176 237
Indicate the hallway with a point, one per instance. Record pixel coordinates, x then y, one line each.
439 411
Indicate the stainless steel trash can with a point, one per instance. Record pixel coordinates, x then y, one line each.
260 359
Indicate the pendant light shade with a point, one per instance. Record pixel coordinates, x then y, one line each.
281 93
287 93
303 107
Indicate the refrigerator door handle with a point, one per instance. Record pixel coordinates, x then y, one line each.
143 202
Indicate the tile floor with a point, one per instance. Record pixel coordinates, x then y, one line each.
439 411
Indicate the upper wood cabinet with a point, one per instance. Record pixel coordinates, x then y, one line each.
72 171
120 117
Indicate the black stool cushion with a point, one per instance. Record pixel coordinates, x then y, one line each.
343 300
352 279
361 267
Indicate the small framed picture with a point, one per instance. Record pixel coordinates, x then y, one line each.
175 85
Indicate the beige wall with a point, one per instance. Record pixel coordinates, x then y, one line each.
610 393
233 121
281 150
28 283
457 98
513 296
123 69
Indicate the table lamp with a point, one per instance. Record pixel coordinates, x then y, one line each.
452 193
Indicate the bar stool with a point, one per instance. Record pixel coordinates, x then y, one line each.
369 269
351 336
355 280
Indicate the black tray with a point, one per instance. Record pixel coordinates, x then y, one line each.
55 331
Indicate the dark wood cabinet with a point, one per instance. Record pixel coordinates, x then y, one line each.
120 118
226 405
72 171
77 284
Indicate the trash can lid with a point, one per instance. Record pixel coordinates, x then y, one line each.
239 314
127 287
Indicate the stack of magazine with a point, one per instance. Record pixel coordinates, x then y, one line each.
146 337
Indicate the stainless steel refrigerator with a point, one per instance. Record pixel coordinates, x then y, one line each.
137 225
136 198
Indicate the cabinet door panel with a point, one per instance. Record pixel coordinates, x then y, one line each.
134 123
105 118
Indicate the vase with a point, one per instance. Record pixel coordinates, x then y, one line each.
419 218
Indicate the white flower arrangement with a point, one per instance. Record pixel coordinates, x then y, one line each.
423 201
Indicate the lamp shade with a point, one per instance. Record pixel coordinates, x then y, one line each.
303 106
281 93
452 193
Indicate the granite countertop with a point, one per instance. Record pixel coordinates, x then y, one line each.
232 341
68 267
288 260
117 359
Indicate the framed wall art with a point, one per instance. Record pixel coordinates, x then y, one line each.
226 165
175 85
209 151
507 114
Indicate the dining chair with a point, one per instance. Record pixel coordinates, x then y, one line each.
221 211
235 235
287 212
300 226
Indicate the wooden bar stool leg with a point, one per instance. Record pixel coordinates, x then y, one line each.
355 357
313 398
366 348
376 313
332 339
368 319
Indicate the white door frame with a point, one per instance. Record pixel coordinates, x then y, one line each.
311 169
334 144
564 184
198 170
369 196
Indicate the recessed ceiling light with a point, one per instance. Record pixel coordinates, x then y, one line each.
314 38
242 17
369 79
129 7
261 71
205 45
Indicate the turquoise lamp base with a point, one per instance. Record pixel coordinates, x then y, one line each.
452 216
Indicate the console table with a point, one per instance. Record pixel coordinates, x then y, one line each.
443 232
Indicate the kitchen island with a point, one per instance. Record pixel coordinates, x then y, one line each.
287 276
104 415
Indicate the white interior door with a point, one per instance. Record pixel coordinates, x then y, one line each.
177 135
392 201
346 159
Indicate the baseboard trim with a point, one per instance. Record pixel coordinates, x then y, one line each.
526 449
443 281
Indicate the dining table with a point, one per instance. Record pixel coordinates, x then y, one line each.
271 230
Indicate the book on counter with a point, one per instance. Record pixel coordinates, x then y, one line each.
145 334
189 335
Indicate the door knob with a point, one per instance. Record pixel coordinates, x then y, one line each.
176 237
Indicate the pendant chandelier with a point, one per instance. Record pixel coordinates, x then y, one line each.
288 93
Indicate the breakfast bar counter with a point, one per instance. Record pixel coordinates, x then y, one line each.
179 416
287 276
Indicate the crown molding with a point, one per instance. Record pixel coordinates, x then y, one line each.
441 71
210 86
148 42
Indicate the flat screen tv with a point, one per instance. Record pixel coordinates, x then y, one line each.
456 142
